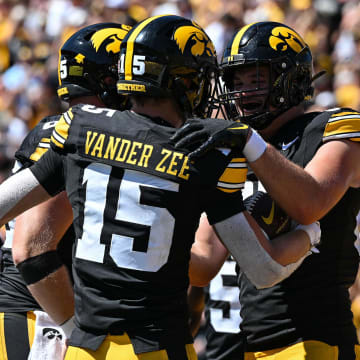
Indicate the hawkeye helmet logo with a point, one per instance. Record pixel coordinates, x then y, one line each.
196 38
282 37
113 36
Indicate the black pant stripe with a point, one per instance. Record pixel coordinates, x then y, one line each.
16 336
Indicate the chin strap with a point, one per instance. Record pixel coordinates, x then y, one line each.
261 121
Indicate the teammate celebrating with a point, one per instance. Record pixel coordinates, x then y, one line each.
137 201
87 74
268 75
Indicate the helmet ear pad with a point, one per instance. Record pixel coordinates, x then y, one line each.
192 93
290 88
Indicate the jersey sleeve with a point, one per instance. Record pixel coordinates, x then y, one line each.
37 142
234 177
221 205
49 172
343 124
60 134
225 198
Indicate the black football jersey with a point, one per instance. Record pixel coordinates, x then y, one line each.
313 303
136 203
222 315
14 295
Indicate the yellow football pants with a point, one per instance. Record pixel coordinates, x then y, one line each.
120 347
307 350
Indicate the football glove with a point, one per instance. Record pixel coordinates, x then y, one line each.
268 214
195 132
199 136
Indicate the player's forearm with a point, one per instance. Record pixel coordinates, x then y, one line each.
41 228
255 255
202 269
55 295
19 193
289 185
196 304
207 255
290 247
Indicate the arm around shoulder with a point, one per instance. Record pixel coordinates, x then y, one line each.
264 262
308 194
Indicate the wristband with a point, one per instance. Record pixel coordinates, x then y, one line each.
314 232
68 326
255 147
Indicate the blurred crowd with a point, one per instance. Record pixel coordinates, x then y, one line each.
32 31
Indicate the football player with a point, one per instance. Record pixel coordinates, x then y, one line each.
137 201
220 302
87 74
268 75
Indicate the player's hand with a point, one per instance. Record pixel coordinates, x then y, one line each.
195 132
199 138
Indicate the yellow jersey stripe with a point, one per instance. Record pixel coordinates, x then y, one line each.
58 137
344 117
61 131
58 144
234 175
243 160
227 190
345 113
346 128
130 46
237 39
38 153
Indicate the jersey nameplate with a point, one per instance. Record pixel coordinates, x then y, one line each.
134 154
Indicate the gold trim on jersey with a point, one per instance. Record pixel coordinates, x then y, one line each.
130 46
344 115
234 177
41 149
61 131
344 125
